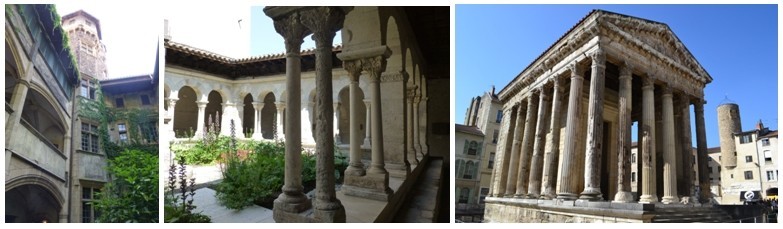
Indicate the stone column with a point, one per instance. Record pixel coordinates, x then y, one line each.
527 144
367 142
553 142
17 104
172 105
687 146
292 200
257 133
669 149
511 171
228 114
534 186
411 92
336 122
623 194
649 193
567 190
355 167
200 127
279 122
499 172
324 22
595 128
417 128
701 151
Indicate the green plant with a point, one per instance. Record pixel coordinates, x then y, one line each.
132 195
175 211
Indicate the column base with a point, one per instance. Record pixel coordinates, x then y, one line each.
370 186
591 194
567 196
520 196
532 196
329 212
398 170
648 199
623 197
291 209
366 144
357 170
670 199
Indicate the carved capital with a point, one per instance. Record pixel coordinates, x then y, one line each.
576 71
599 57
557 83
666 89
648 82
201 104
280 106
354 69
375 66
323 21
626 70
410 92
293 32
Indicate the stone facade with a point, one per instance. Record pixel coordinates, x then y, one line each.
468 161
579 99
40 82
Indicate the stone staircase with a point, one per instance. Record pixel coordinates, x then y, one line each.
704 214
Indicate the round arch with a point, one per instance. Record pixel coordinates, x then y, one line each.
186 112
32 198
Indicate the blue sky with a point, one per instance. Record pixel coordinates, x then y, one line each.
264 40
736 44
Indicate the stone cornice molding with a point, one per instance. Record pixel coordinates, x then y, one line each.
393 76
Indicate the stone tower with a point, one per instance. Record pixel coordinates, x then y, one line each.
84 33
728 124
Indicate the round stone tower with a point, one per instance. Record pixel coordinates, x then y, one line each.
728 124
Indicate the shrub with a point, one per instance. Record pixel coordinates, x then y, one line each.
206 152
258 176
132 195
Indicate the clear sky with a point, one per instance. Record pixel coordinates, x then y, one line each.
736 44
130 33
219 28
264 39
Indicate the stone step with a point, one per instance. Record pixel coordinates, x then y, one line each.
690 215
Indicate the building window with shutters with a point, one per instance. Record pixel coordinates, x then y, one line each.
491 161
464 195
470 168
472 148
771 175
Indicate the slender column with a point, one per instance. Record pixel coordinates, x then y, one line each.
200 127
687 146
595 128
416 127
292 200
279 122
411 92
355 166
336 122
701 151
647 149
623 194
228 114
568 191
172 105
511 170
669 149
324 22
553 142
375 66
367 105
257 134
534 186
526 150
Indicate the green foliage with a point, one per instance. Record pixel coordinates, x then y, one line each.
206 152
175 211
132 195
258 176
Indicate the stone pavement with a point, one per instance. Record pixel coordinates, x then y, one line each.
207 204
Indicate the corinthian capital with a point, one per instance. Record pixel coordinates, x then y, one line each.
293 32
375 66
598 56
354 69
324 21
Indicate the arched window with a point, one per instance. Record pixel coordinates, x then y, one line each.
470 168
464 195
472 148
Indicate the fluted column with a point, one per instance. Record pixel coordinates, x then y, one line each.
336 123
669 149
567 190
355 165
526 150
257 134
534 184
511 170
701 151
292 200
411 156
172 105
367 105
200 127
553 142
595 128
279 122
647 149
686 146
324 22
504 152
623 194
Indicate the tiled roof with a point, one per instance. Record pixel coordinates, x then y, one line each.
468 129
228 60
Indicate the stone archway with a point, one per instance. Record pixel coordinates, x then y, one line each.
345 115
268 116
186 112
214 110
32 199
248 116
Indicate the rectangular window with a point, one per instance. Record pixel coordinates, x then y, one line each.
765 142
123 132
121 127
633 176
770 175
767 155
483 194
748 158
748 175
119 102
499 116
85 92
491 161
746 138
633 158
90 138
145 100
495 137
88 212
